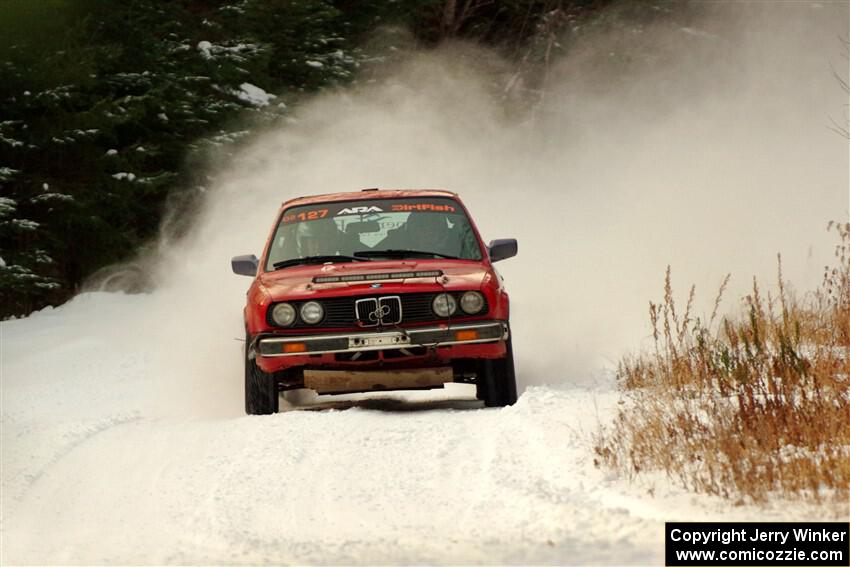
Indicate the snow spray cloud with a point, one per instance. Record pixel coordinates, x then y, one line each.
711 154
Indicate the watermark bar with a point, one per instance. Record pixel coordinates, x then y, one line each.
763 544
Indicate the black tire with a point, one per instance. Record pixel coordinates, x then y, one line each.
261 395
496 381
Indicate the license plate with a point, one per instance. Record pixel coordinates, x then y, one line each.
383 340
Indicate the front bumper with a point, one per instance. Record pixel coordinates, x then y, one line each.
443 335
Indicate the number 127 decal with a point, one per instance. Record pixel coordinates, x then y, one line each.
305 216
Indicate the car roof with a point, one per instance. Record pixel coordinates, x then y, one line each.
368 194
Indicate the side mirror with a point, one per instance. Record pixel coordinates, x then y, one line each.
245 265
502 248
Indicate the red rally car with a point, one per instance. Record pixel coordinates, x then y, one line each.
376 290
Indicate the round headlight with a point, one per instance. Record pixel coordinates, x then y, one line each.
283 314
312 312
444 305
472 302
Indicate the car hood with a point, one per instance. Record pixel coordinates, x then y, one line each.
297 282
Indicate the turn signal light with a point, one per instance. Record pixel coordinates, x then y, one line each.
294 347
466 335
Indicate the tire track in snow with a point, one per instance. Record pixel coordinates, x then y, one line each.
70 438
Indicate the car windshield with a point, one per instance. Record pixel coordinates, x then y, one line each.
409 227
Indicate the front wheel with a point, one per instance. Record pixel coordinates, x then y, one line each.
496 381
261 395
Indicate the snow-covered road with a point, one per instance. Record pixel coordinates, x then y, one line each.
354 486
105 459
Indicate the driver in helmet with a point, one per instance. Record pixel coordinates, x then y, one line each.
317 238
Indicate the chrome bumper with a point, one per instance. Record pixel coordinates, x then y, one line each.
467 333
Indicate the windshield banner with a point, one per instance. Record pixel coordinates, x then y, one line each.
369 210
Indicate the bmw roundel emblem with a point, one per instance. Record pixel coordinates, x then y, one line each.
375 285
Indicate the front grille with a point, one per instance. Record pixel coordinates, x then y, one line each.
374 311
341 312
367 313
390 310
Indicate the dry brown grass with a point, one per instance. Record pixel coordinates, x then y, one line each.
746 406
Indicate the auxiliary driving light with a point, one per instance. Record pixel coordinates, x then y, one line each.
444 305
283 314
312 312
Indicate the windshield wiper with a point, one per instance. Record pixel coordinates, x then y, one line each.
315 260
396 253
